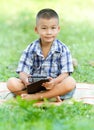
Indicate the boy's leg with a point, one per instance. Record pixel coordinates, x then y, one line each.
16 86
62 88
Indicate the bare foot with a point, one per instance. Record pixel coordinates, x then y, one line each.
34 97
28 96
55 99
58 99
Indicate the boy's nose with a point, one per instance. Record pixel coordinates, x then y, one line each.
49 31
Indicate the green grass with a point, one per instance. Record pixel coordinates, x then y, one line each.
17 21
24 115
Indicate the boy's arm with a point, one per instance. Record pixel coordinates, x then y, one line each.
60 78
24 77
55 81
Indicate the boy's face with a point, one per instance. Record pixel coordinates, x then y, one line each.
47 29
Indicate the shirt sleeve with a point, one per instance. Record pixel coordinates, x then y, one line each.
24 63
66 64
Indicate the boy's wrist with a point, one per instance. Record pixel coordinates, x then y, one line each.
54 82
25 81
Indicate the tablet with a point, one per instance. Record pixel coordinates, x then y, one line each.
36 85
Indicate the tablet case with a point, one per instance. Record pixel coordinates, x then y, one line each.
36 86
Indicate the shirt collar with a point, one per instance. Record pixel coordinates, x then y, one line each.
54 48
37 49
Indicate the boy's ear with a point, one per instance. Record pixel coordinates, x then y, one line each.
36 30
58 28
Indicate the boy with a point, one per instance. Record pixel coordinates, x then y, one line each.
45 56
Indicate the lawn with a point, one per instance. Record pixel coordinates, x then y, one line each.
17 21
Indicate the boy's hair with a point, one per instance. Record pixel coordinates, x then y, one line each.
47 14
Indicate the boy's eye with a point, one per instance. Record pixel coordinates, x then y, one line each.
53 27
43 28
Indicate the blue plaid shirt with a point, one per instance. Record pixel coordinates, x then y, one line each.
58 60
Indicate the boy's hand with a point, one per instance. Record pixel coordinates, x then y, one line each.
24 77
26 82
49 85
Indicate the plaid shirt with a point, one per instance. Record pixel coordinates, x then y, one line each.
58 60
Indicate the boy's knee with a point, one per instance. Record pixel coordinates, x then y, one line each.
70 83
15 85
11 83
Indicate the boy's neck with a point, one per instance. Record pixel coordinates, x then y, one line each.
44 44
46 48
